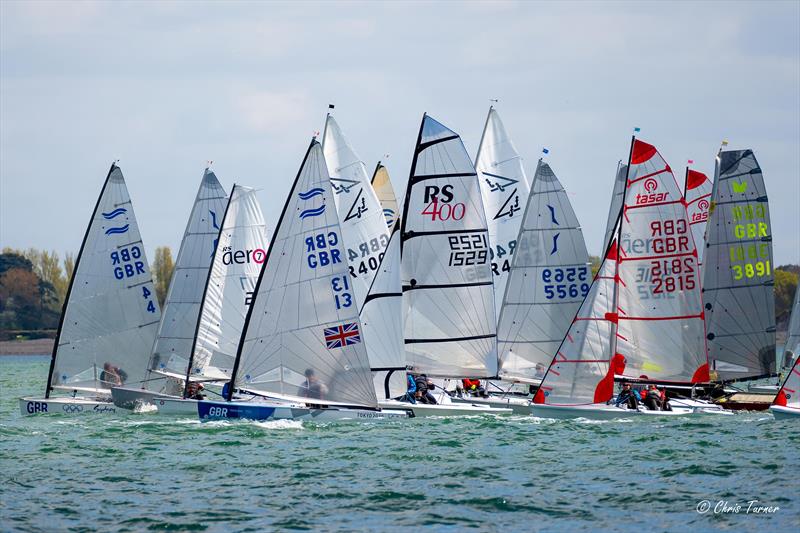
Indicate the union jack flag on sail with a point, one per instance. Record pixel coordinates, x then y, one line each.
343 335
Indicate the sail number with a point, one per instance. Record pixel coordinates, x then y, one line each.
146 293
468 250
341 292
754 259
370 254
670 275
497 269
321 251
562 283
127 262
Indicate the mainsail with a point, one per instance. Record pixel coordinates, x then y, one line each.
616 203
241 250
448 301
659 309
738 276
110 313
504 188
302 336
697 191
549 279
792 347
176 331
382 321
364 230
382 186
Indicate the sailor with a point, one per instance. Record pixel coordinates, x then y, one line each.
652 398
109 376
411 390
313 387
474 387
424 385
194 391
628 396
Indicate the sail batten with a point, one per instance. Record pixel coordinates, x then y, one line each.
449 323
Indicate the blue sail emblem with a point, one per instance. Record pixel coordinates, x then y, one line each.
121 229
311 193
115 213
312 212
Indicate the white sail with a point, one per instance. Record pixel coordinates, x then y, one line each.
382 186
739 277
550 277
364 228
504 189
241 250
581 372
176 331
697 191
303 319
792 347
448 301
382 321
661 331
111 314
616 204
789 393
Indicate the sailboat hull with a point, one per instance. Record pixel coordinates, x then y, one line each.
443 409
518 406
129 398
781 412
599 412
66 406
211 410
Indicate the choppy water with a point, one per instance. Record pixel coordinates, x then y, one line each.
147 472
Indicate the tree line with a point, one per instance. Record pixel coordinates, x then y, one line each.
33 286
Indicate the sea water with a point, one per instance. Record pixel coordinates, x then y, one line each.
142 471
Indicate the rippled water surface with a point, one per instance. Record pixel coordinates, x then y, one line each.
148 472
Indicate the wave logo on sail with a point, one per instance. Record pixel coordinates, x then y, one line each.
119 230
308 195
115 213
343 335
652 197
389 215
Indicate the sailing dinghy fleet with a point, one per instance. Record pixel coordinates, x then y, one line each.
477 274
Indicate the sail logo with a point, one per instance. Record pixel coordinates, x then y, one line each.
308 195
439 204
555 244
358 208
118 230
652 197
701 215
115 213
215 226
341 185
509 208
739 187
341 336
389 215
499 184
241 257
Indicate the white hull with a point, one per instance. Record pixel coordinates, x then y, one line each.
600 412
66 406
519 406
781 412
764 389
443 409
700 406
129 398
260 410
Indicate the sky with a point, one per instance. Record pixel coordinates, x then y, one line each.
164 87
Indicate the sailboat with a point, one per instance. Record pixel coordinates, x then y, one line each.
642 318
228 290
448 302
738 281
302 338
504 188
616 203
168 359
787 402
549 278
791 349
364 231
697 191
382 186
110 315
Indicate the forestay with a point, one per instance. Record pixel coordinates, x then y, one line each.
304 317
738 278
616 204
382 186
448 301
110 314
364 230
382 321
661 332
697 191
241 250
176 331
504 189
581 371
550 277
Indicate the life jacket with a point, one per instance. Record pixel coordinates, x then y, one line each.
422 383
469 383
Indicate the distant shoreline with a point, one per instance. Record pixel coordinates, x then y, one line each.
32 347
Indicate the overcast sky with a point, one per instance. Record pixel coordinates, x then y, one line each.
164 87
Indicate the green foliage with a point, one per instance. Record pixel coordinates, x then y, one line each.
27 302
786 278
162 272
595 261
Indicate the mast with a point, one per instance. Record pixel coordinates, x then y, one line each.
72 281
234 371
205 291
